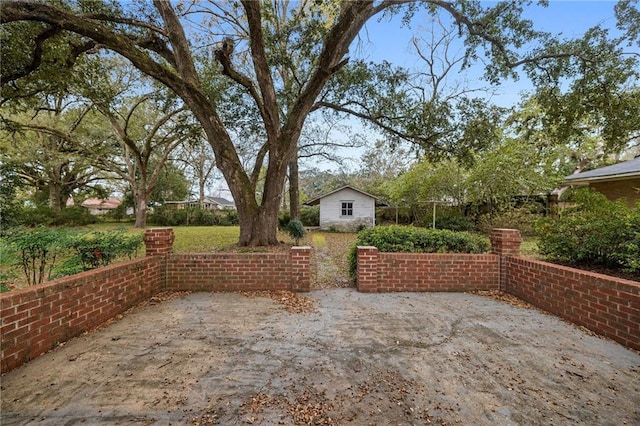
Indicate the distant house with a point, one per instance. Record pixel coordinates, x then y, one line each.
620 180
346 209
209 203
100 207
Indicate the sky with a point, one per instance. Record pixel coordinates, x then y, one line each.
390 40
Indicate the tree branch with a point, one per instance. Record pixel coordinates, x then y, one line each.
421 140
261 66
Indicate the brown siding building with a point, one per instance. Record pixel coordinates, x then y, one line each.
620 180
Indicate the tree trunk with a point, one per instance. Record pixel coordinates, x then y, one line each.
259 222
294 187
201 183
141 210
55 192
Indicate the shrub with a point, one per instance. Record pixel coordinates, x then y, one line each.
296 230
74 216
523 218
36 216
194 216
417 240
95 249
455 223
284 217
594 231
38 249
310 216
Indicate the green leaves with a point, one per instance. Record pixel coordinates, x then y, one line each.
593 231
296 230
40 249
408 239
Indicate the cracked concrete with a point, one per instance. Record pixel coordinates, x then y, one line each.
359 359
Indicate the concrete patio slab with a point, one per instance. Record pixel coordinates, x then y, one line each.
360 359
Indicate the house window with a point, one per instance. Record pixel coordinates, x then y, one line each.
347 208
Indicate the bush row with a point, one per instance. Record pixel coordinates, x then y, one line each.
309 216
593 231
409 239
193 217
46 216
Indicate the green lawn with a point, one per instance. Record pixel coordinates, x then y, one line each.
529 247
204 239
189 239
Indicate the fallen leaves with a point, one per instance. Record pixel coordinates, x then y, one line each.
504 297
291 301
308 408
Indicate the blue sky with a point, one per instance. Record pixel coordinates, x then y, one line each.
389 40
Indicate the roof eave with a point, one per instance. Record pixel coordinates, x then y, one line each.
610 178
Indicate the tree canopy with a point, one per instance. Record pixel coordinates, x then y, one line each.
257 71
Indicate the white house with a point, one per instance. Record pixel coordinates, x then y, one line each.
209 203
346 209
101 207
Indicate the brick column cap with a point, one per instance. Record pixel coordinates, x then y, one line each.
159 241
505 241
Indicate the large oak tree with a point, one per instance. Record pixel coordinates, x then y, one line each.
277 56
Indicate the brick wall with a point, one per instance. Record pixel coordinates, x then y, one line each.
240 271
388 272
606 305
38 318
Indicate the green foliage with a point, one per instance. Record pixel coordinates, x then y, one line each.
295 229
408 239
9 208
284 217
522 218
95 249
74 216
310 216
38 249
193 216
46 216
454 223
594 231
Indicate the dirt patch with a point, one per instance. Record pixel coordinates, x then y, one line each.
291 301
361 359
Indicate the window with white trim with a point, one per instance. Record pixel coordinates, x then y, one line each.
346 209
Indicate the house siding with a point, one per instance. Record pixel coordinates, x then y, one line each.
363 211
614 190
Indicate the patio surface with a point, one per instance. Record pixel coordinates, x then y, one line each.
443 358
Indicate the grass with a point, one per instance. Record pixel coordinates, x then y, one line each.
529 247
204 239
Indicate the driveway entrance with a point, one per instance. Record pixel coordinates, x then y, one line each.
359 359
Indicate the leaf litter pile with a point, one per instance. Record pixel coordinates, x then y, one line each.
382 394
291 301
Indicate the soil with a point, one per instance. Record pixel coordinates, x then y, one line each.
345 358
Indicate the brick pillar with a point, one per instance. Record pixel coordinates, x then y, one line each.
367 273
159 243
504 243
300 268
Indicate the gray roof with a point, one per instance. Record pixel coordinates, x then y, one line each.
624 170
222 201
316 200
